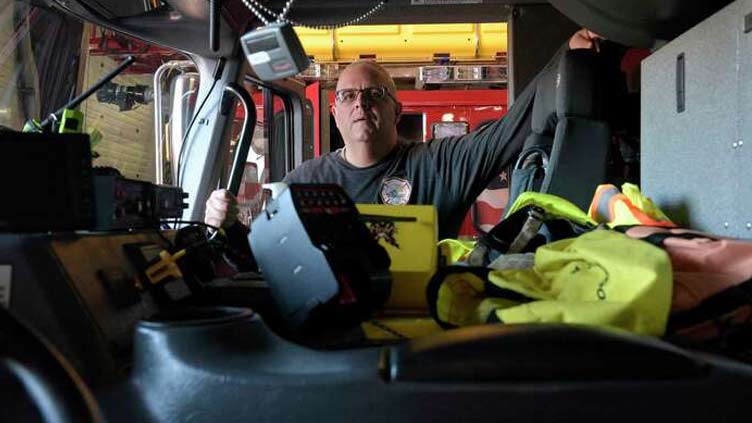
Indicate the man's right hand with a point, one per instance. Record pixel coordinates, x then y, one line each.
221 209
585 39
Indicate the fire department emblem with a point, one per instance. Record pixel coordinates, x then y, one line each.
385 230
395 191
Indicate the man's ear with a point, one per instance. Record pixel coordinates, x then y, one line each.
397 112
333 110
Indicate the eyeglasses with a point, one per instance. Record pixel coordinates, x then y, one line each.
349 95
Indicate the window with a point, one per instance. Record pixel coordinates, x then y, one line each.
39 62
123 110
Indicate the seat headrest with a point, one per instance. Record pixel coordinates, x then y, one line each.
544 106
579 85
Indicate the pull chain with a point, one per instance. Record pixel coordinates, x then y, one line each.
255 11
281 17
257 8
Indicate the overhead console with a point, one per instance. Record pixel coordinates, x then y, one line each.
641 26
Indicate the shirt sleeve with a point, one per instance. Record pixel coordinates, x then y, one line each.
467 164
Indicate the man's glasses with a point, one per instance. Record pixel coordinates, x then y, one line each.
349 95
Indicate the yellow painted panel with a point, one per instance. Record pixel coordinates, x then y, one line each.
414 257
370 29
405 48
493 27
407 42
468 29
493 40
317 43
301 31
387 328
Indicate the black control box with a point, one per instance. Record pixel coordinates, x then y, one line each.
48 184
123 203
319 259
45 182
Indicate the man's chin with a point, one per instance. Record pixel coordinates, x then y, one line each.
365 137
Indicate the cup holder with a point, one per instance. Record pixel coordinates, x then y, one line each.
196 316
195 337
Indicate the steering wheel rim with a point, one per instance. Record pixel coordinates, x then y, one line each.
55 389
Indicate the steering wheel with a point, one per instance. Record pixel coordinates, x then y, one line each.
54 388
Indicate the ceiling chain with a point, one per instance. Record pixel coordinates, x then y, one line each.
256 7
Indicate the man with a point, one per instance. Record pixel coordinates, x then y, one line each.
374 166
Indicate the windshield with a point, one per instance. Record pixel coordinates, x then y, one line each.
47 59
39 61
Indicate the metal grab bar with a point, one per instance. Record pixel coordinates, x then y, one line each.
158 124
246 137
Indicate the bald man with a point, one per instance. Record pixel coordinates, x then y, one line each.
375 166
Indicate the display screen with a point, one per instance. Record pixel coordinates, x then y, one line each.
264 44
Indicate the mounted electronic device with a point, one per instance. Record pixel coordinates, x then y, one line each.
322 265
274 51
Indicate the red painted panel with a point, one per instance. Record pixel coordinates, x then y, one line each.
446 98
313 93
471 106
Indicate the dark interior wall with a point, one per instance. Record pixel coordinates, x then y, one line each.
535 31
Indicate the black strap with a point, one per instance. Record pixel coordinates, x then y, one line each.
432 289
528 231
713 307
506 232
659 238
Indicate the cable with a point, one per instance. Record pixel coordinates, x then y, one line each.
169 243
213 240
387 329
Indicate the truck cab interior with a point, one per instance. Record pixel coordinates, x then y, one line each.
81 341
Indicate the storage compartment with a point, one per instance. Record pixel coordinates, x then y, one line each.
696 125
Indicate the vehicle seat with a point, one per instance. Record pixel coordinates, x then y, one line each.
567 152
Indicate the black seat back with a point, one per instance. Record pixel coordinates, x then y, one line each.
567 152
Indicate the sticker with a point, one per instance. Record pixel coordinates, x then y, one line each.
259 58
5 283
395 191
386 230
282 65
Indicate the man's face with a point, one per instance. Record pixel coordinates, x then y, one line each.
367 112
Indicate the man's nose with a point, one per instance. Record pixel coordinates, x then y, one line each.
363 99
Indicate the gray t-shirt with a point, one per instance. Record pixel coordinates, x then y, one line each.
449 173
